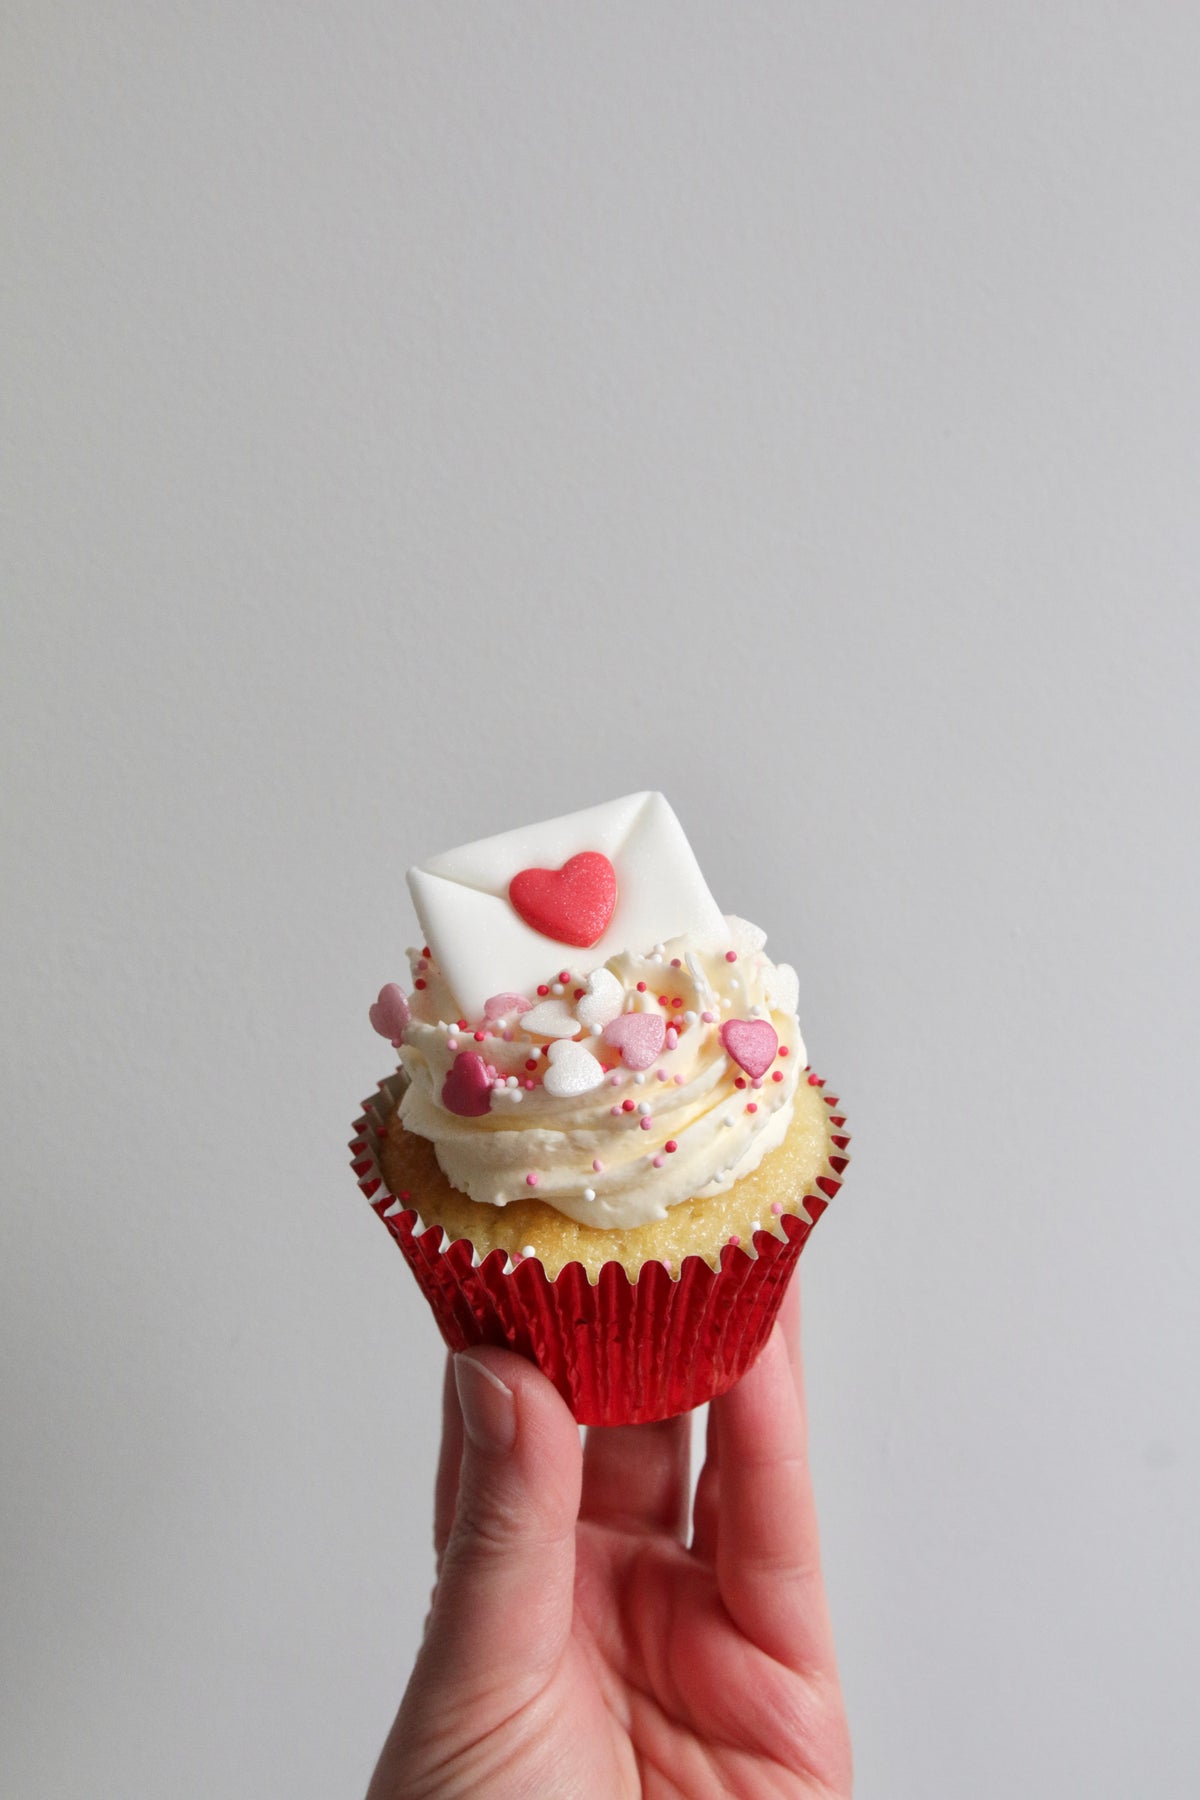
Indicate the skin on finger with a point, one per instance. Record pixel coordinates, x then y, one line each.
636 1477
505 1590
768 1556
445 1490
789 1320
706 1505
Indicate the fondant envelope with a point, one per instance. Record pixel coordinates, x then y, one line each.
483 946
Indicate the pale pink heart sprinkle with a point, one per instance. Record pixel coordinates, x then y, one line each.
390 1014
752 1043
500 1005
638 1036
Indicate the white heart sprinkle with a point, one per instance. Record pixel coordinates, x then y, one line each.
551 1019
573 1070
783 988
747 939
603 1001
696 971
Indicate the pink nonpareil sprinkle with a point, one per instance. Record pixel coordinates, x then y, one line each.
647 1122
531 1180
597 1166
659 1161
709 1018
777 1207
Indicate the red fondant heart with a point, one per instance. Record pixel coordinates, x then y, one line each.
752 1043
467 1089
573 904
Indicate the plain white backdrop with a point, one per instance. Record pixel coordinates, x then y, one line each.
420 419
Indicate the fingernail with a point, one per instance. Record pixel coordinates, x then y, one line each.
488 1408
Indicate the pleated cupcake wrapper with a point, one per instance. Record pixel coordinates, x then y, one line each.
620 1351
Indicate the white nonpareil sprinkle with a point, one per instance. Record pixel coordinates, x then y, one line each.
689 1017
556 987
528 1250
643 1106
727 1120
513 1082
589 1193
640 1078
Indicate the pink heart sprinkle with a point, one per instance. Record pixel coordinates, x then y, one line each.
501 1004
638 1036
752 1043
467 1089
390 1014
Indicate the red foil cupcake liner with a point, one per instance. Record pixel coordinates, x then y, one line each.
619 1351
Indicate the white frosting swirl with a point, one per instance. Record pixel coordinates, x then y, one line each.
622 1152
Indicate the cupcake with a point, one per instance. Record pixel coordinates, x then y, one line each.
602 1146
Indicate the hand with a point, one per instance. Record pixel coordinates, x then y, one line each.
578 1648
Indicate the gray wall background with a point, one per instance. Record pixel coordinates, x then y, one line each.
422 419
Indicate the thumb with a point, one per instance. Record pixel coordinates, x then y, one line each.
506 1590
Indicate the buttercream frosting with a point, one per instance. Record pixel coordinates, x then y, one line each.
610 1123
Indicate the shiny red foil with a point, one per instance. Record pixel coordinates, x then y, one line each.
620 1352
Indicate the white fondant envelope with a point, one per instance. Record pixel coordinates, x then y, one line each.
482 945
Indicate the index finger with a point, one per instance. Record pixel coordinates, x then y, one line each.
768 1560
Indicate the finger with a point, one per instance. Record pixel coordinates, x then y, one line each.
789 1319
502 1611
768 1556
706 1506
636 1477
445 1488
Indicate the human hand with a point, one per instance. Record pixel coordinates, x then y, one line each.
578 1648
